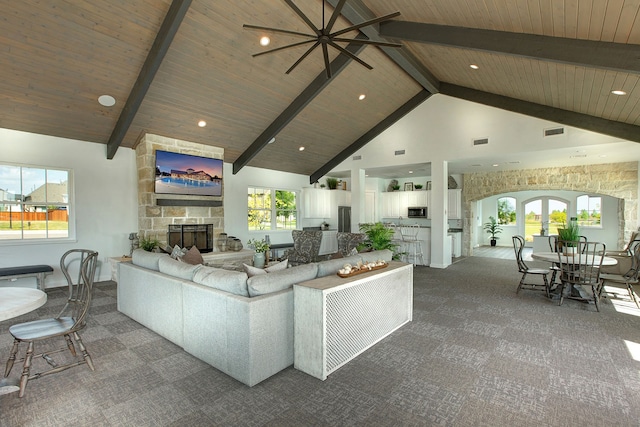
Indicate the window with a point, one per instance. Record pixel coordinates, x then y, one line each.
266 212
34 203
507 211
588 211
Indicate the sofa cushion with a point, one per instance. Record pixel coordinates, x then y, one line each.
327 268
178 269
254 271
146 259
177 252
384 255
279 280
234 282
193 256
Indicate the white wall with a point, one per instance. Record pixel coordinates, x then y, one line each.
105 199
235 199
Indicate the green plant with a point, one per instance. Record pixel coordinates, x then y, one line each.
378 237
569 233
148 244
260 245
492 227
332 183
395 187
418 186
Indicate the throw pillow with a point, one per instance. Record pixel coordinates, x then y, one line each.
178 252
193 256
254 271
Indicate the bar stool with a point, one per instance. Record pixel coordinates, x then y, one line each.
397 239
412 247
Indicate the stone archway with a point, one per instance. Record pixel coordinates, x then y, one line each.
619 180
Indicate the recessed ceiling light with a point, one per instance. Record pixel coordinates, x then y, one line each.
495 165
272 140
202 123
264 41
301 149
410 171
618 92
107 100
474 66
362 96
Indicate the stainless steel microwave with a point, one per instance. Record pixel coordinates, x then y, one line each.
417 212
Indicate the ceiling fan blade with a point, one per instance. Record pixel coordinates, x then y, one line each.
283 47
278 30
334 16
303 16
302 57
366 23
325 54
351 55
371 42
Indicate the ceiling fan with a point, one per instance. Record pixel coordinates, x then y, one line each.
324 37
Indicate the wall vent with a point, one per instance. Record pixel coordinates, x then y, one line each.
357 157
554 131
481 141
399 152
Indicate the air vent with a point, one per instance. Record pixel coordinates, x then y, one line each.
481 141
399 152
357 157
555 131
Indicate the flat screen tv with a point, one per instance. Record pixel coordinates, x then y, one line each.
178 173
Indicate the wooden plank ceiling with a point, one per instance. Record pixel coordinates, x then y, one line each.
59 56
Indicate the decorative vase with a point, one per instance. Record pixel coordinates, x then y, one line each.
258 259
222 242
569 250
235 245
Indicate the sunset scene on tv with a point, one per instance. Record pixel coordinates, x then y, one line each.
186 174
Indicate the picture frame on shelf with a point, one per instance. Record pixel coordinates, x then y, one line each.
428 187
408 186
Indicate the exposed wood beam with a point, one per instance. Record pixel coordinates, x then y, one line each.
159 48
298 104
355 11
371 134
557 115
606 55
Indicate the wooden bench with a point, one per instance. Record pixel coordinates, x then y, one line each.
37 271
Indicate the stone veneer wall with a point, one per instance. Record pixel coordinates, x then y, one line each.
618 180
154 220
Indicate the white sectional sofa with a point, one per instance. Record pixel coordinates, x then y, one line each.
241 325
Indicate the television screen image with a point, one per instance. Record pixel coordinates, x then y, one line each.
178 173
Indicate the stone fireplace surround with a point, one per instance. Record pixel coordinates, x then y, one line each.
157 211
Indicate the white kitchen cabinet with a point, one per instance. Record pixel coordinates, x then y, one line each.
417 198
455 204
395 204
340 198
316 203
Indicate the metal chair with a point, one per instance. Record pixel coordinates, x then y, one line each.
518 246
412 247
580 265
68 323
631 276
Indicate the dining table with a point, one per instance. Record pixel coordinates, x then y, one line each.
553 258
15 302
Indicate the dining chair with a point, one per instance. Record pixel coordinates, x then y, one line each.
630 277
518 246
68 323
555 268
580 271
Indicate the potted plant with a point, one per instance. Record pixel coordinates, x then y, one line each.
261 247
568 235
332 183
378 237
148 244
492 227
396 187
418 186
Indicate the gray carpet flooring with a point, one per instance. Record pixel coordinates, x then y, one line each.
475 354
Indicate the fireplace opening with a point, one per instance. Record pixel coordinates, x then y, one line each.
188 235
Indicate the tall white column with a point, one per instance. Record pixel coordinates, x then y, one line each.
440 246
357 199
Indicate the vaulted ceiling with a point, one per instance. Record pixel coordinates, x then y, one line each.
171 64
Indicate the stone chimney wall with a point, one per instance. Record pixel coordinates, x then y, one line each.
154 220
